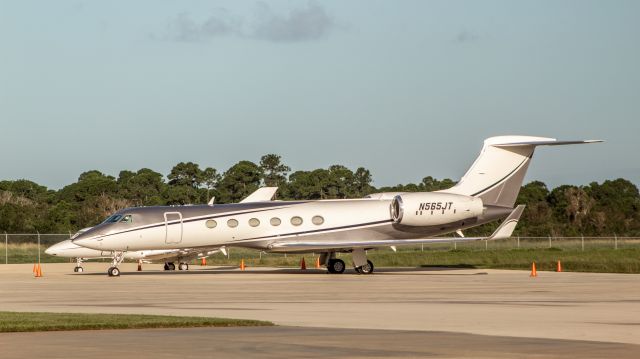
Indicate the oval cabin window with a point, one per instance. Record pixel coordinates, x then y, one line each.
211 223
232 223
275 221
296 221
254 222
317 220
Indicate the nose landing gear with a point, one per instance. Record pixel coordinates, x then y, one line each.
78 268
113 271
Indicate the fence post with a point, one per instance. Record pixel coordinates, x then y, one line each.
422 247
6 246
549 241
615 241
455 246
486 245
38 247
518 242
582 236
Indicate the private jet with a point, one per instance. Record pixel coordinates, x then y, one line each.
486 193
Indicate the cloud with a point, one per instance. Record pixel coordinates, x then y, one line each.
307 23
183 28
302 24
465 37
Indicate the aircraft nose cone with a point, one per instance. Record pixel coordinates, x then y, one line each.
53 250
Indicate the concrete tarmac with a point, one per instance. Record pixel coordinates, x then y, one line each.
295 342
557 310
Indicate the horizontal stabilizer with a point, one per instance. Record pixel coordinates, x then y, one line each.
545 143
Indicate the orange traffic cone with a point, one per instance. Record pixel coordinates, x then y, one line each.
242 267
37 270
303 265
139 265
203 261
318 263
559 267
533 270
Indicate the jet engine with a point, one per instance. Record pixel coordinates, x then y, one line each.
433 208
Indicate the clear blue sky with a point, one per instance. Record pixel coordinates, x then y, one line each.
404 88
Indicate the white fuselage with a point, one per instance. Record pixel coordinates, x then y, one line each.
258 225
67 249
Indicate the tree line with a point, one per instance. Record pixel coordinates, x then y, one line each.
611 207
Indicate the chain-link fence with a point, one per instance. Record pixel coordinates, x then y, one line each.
26 247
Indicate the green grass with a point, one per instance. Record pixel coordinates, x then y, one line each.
598 256
594 260
34 322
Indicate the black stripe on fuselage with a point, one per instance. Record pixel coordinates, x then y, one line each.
503 178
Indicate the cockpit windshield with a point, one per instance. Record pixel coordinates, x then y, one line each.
113 219
122 218
126 219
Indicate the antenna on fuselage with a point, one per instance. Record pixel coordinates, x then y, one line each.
213 199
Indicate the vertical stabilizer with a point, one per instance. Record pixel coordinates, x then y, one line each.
497 174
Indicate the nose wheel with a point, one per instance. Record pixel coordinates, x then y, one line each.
113 272
183 266
78 269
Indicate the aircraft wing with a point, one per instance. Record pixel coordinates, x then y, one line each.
263 194
502 232
185 254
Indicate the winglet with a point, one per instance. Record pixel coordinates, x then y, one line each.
508 225
262 194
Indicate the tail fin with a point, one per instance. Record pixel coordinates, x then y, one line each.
497 174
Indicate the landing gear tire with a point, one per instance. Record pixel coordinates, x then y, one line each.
78 269
336 266
171 266
365 269
113 272
183 266
166 266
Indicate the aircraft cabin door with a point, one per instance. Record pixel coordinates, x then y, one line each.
173 227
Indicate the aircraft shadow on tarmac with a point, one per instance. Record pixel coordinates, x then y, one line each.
424 270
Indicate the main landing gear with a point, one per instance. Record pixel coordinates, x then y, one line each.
365 269
172 266
113 271
337 266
